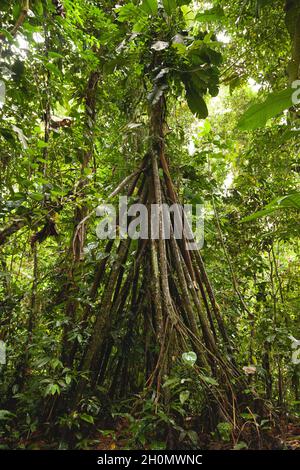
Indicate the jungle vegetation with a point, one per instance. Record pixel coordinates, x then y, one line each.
145 344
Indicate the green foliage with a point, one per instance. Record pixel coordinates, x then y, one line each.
189 358
64 149
6 415
149 6
258 114
213 14
225 430
151 422
196 103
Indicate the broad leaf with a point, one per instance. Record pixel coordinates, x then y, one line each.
209 380
258 114
5 414
160 45
213 14
2 93
196 103
291 201
189 358
240 446
150 7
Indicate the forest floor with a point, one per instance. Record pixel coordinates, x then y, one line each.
287 438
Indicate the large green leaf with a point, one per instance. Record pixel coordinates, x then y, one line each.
184 396
128 12
213 14
258 114
291 201
2 93
169 6
87 418
196 103
150 7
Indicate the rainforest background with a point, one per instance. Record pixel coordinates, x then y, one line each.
143 344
